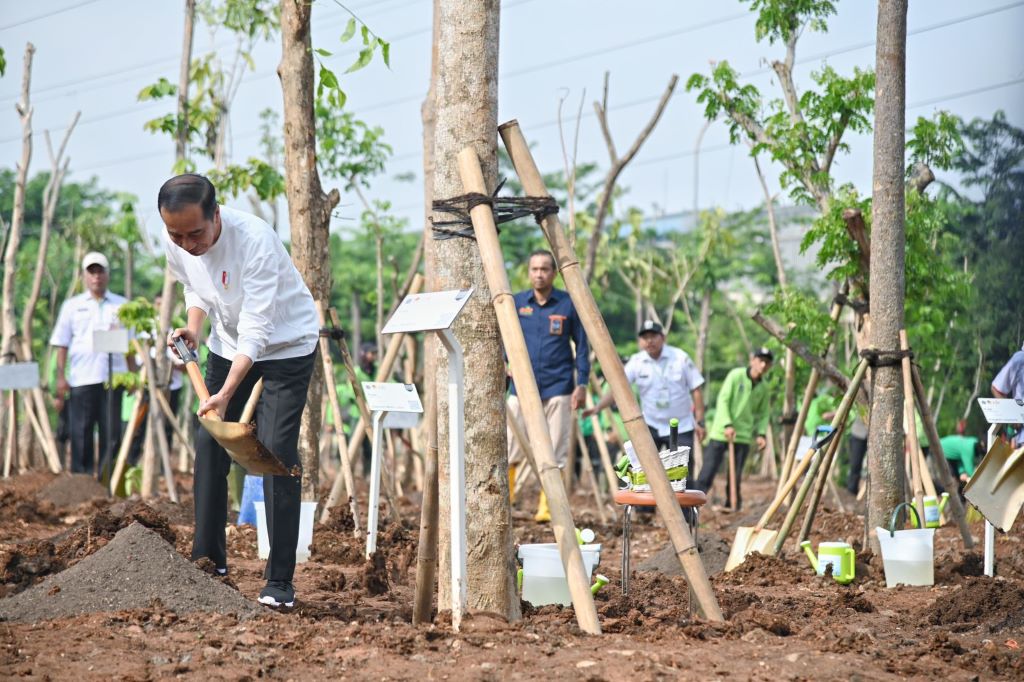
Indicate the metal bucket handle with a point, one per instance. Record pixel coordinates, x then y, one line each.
895 513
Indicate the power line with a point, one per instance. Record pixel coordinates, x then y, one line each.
48 14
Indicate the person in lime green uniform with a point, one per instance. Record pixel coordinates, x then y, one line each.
741 418
961 451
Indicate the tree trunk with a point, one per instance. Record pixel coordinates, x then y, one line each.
467 96
8 325
309 209
357 326
885 440
426 559
702 331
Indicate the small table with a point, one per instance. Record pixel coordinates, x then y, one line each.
690 500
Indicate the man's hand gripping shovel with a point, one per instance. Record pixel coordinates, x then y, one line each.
238 438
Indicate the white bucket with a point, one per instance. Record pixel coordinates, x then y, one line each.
305 531
908 556
544 580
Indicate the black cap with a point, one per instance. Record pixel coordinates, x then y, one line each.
650 326
764 352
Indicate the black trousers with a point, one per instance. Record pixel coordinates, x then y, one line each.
87 411
715 453
858 448
278 415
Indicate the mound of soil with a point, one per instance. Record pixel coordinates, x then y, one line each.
25 508
70 490
135 570
761 570
713 552
334 543
26 563
997 603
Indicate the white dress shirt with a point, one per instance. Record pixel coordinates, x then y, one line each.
246 283
665 386
79 317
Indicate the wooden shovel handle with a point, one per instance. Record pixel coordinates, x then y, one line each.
798 472
194 375
250 405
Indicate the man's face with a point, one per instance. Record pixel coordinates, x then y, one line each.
96 280
190 230
652 342
542 272
759 367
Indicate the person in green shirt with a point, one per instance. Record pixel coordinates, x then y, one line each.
741 417
960 451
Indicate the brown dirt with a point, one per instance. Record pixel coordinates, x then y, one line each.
783 622
137 569
71 490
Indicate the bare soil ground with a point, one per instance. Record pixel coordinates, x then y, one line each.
140 613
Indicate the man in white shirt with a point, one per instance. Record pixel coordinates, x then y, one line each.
669 386
89 405
1009 383
264 324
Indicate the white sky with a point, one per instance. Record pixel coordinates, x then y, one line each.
95 55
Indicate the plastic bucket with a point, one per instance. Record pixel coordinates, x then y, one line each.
544 580
907 555
305 531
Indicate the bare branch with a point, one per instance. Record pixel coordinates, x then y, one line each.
833 144
601 109
922 177
773 229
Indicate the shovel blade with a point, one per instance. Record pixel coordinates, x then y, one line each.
997 487
749 540
242 445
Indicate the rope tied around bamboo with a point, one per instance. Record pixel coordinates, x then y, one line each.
505 209
886 358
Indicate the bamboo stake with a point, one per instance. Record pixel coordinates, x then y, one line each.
359 432
172 419
332 393
155 425
587 469
824 476
602 448
520 436
426 554
909 411
941 465
601 341
11 447
529 395
126 442
839 418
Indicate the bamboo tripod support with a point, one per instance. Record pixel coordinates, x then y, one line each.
601 341
824 478
332 393
912 442
529 395
126 443
359 431
941 466
524 444
587 472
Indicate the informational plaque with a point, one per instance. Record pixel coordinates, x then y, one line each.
110 341
392 397
1002 410
428 312
19 376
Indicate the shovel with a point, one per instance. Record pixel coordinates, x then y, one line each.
732 477
997 487
238 438
759 538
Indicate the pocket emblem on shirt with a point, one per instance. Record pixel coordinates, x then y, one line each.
225 279
556 324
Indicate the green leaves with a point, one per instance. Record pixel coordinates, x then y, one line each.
256 174
935 142
162 88
350 30
138 316
782 19
3 62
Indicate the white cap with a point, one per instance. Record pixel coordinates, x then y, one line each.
95 258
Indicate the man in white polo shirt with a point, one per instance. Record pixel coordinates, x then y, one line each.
82 383
264 324
669 385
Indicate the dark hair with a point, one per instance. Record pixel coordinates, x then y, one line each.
544 252
187 190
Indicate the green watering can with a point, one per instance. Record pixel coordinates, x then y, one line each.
839 555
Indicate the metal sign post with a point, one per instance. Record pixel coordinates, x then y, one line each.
436 312
997 411
384 400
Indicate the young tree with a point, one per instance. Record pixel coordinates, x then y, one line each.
466 104
885 440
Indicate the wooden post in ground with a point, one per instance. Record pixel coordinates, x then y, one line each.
529 395
602 447
126 442
912 442
587 472
600 339
332 393
941 465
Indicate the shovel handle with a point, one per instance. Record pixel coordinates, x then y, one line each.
794 477
194 375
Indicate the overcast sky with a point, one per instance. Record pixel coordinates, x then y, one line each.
95 56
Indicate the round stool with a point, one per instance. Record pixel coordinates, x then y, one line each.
690 500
